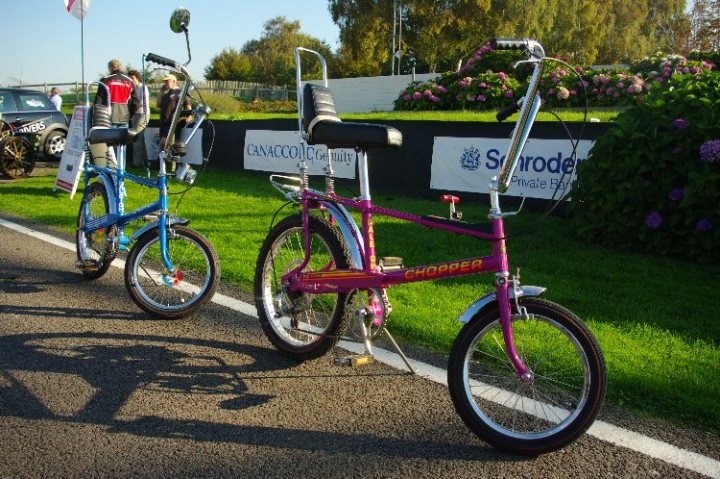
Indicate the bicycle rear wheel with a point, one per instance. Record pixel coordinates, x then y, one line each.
166 295
96 250
300 325
543 414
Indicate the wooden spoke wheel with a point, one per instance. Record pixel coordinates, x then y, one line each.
17 157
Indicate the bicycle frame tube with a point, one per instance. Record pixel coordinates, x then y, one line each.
345 280
116 202
368 276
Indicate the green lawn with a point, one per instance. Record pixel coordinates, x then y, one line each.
656 318
567 114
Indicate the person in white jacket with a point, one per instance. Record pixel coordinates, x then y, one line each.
55 98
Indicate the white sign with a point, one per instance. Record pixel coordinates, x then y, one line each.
194 148
467 164
73 157
281 151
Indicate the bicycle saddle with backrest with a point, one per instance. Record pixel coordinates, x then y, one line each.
321 123
111 136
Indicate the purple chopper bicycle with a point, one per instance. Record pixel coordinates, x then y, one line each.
524 374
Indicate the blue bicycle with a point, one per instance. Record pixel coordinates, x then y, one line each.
171 270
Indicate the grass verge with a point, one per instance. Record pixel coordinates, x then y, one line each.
567 114
655 318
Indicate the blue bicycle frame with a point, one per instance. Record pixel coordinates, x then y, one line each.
114 182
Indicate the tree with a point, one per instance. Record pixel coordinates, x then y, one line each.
230 64
435 33
705 25
270 59
667 25
439 32
577 32
365 36
272 56
640 28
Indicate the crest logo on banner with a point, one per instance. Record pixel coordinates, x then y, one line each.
470 159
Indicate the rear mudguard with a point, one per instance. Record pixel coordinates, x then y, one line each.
109 185
350 232
486 301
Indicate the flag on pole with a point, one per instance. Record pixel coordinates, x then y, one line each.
77 8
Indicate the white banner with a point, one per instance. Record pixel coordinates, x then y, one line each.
194 154
280 151
467 164
73 156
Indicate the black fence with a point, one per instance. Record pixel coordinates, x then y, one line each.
406 170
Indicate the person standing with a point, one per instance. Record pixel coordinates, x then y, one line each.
122 105
140 118
55 98
167 101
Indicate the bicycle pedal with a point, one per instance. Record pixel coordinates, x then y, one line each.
87 265
390 263
354 360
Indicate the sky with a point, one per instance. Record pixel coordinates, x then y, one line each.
43 40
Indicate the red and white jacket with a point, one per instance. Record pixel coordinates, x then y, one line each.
122 102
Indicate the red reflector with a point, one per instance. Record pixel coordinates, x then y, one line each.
450 199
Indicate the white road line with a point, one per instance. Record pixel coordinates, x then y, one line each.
601 430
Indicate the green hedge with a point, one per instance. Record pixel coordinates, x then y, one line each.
226 104
653 181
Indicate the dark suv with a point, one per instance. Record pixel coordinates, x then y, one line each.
27 112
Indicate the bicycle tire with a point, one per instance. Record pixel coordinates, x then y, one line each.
301 326
17 157
172 296
536 417
98 251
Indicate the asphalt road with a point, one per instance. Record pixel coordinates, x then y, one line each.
90 387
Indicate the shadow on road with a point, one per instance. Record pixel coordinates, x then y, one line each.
115 366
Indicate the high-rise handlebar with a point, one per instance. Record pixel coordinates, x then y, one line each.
528 106
152 57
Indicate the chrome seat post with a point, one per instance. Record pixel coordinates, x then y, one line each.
363 174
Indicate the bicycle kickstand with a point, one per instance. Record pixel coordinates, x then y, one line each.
368 356
400 352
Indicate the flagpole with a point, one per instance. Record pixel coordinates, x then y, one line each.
82 54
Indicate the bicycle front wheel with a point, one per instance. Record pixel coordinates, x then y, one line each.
95 250
300 325
172 295
538 415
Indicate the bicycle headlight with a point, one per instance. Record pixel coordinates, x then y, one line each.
185 174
